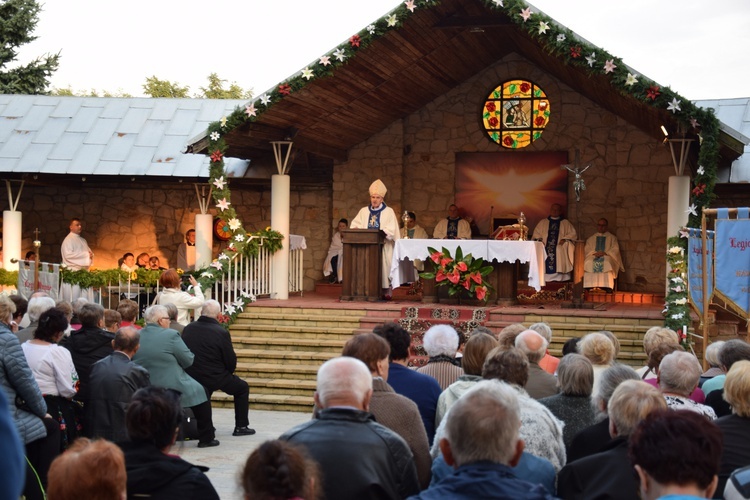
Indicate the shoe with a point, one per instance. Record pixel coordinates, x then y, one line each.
208 444
243 431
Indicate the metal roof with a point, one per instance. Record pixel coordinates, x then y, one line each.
734 113
108 135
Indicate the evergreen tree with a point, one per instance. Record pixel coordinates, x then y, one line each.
18 19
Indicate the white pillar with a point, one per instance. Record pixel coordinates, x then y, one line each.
280 222
677 204
11 238
204 241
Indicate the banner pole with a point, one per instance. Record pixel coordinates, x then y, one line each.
704 285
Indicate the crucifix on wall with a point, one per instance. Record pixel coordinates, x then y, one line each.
575 168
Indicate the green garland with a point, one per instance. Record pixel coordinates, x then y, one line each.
8 278
558 41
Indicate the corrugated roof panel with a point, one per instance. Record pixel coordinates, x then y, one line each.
84 119
133 121
16 144
55 167
118 148
213 110
7 164
67 147
7 127
35 118
152 133
182 123
141 102
33 159
187 103
190 166
116 108
162 169
17 107
107 168
138 162
102 132
169 149
163 109
66 108
51 131
86 158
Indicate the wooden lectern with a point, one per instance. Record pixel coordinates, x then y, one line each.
362 264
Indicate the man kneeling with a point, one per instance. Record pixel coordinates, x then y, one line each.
482 443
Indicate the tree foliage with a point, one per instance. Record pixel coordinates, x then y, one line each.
216 90
18 19
155 87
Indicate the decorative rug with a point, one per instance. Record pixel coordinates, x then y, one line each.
417 320
551 293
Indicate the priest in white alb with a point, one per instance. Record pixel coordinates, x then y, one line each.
378 215
603 260
558 236
76 255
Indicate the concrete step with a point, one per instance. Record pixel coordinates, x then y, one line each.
289 344
249 370
303 332
285 357
275 402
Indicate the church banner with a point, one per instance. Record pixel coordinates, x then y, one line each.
695 267
49 280
732 266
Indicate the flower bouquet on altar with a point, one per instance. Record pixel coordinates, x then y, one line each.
462 274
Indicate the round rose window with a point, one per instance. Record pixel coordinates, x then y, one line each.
516 113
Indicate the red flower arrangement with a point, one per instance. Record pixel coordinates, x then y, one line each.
575 52
355 40
462 273
216 156
653 92
699 189
285 89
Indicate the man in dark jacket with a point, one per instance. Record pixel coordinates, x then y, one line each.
114 380
87 346
358 457
215 362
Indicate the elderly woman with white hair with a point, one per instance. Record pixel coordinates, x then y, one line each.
653 338
714 365
678 377
735 427
600 350
441 343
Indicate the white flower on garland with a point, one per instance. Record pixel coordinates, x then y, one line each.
631 79
609 66
223 257
239 303
220 183
246 295
677 289
391 20
543 27
339 54
215 136
217 265
692 210
684 233
234 224
206 274
250 109
678 316
223 121
410 5
371 29
325 60
591 59
701 170
681 302
675 250
265 99
499 3
307 73
677 279
526 14
239 237
674 105
694 123
560 38
223 204
229 309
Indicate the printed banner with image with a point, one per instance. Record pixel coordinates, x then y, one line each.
695 267
49 280
732 249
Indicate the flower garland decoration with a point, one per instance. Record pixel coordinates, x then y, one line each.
676 310
556 40
462 274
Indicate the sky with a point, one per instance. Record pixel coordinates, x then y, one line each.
698 48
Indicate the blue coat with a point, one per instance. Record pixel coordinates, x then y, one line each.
165 356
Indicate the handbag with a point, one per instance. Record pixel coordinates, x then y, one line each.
188 426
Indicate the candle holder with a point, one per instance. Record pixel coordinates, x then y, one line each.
405 217
522 226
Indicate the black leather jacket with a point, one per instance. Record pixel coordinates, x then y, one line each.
358 457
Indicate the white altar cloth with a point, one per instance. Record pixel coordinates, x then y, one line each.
501 251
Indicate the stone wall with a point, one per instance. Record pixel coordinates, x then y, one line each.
627 183
154 218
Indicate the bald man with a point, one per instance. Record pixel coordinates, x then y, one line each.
541 384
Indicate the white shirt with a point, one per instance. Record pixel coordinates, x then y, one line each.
75 252
52 367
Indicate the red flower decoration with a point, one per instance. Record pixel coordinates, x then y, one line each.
525 87
481 291
216 156
699 189
539 121
445 261
461 266
355 41
454 277
477 277
467 284
440 276
575 52
508 140
490 106
493 122
285 89
436 257
653 92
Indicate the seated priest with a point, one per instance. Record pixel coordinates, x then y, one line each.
603 261
378 215
558 236
453 227
411 230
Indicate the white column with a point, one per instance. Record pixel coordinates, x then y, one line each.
280 222
677 204
204 240
11 238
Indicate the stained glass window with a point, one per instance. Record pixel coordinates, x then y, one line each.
516 113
